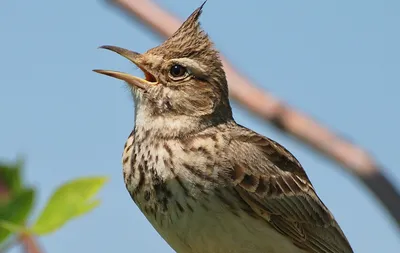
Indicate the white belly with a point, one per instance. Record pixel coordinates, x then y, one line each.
213 228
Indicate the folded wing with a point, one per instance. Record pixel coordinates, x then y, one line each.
274 184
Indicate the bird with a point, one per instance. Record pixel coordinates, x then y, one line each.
205 183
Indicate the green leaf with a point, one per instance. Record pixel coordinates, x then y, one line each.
16 210
11 227
10 178
69 201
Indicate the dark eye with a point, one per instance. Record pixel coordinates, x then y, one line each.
177 71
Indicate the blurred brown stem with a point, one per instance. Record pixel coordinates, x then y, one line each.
351 157
29 243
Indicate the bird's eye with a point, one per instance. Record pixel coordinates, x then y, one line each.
178 71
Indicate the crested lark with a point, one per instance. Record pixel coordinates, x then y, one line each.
205 183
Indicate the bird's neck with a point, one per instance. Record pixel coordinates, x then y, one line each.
167 126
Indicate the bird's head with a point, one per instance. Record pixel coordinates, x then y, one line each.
184 84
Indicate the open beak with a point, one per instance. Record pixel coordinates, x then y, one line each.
134 81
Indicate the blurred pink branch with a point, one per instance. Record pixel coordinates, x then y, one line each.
29 243
351 157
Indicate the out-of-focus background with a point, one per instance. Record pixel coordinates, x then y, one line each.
337 61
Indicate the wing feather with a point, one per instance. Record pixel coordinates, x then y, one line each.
274 184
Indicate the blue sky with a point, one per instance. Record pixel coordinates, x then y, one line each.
337 61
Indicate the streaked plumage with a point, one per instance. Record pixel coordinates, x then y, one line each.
205 183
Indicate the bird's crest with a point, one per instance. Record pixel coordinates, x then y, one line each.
189 40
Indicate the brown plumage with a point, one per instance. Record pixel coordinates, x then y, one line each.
205 183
